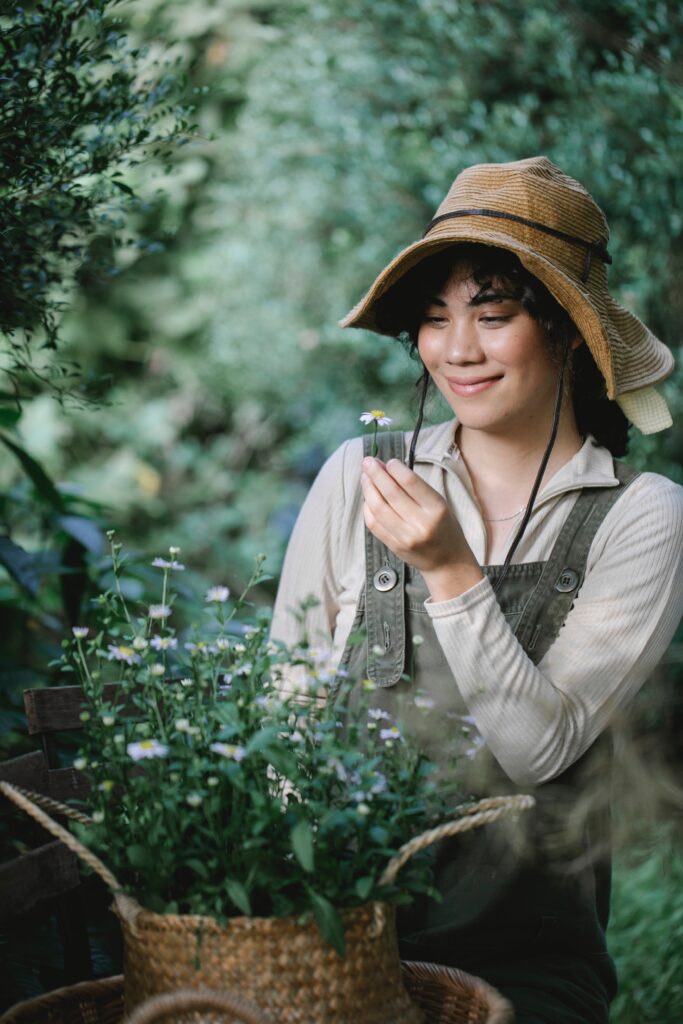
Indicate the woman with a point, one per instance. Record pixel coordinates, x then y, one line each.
525 581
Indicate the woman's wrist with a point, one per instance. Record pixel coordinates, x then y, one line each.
451 581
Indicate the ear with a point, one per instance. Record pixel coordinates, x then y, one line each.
575 342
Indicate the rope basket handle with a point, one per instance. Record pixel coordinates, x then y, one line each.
473 816
183 1000
29 801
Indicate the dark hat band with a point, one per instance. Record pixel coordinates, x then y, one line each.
591 248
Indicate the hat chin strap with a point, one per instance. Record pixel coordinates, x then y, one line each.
541 469
646 409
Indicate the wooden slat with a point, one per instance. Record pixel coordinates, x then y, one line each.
42 874
51 709
28 771
66 784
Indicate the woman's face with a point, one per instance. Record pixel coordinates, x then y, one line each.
488 357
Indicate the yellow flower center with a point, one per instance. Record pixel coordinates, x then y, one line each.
377 413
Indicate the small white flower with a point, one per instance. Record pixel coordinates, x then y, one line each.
156 669
217 595
140 644
194 799
108 720
424 702
417 640
239 648
186 682
98 817
159 611
161 563
106 786
375 416
380 783
363 809
182 724
244 669
80 763
378 714
222 643
80 632
119 738
201 647
164 643
296 737
229 750
122 652
392 733
173 551
377 650
146 749
212 780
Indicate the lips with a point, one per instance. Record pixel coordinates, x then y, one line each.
466 386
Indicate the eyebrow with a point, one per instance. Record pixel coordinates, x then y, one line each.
482 297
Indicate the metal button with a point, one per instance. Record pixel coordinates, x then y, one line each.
385 579
567 581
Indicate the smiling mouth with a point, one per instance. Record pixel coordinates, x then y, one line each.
471 385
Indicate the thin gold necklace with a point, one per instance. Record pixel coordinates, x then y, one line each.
504 519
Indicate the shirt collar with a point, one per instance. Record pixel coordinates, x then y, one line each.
592 466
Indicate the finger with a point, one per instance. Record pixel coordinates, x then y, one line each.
391 490
379 513
411 483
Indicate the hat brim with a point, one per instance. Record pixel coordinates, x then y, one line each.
599 319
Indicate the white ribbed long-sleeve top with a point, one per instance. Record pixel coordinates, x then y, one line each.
536 719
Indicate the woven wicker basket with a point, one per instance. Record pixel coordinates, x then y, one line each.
282 965
446 996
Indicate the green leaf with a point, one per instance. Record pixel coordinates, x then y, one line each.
198 866
44 486
239 896
329 922
22 566
84 531
138 855
301 838
122 187
8 417
364 887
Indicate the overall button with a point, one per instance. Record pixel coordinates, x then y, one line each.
385 578
567 581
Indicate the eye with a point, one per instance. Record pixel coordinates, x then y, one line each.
434 319
494 319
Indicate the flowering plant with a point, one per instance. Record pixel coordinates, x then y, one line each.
220 786
378 418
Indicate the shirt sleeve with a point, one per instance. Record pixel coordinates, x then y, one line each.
537 720
311 566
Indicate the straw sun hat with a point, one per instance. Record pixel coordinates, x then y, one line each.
560 235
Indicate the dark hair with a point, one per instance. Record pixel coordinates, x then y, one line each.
400 311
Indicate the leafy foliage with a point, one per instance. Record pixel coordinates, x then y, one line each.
645 934
81 106
222 785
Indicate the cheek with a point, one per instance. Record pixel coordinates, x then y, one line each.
427 348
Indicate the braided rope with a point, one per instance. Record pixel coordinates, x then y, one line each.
27 801
171 1003
54 805
474 815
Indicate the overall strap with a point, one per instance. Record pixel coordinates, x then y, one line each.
384 588
565 570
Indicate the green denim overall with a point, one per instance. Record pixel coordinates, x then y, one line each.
524 906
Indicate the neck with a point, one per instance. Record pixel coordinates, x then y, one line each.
503 466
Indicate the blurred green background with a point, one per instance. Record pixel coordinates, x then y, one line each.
198 376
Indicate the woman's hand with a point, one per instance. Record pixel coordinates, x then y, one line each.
414 521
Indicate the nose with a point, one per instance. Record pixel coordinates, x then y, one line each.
462 345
